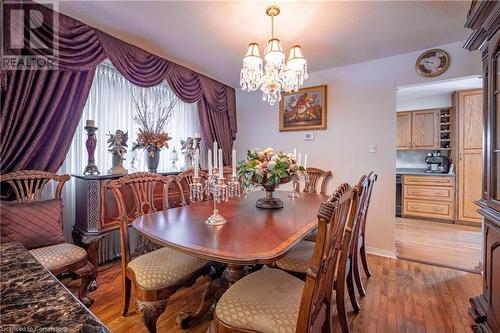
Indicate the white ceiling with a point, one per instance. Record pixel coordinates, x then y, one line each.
211 37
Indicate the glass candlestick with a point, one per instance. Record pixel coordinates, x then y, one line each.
215 187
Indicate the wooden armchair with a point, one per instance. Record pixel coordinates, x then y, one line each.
37 224
186 179
297 261
358 244
271 300
317 177
158 274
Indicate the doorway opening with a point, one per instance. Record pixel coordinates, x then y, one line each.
439 172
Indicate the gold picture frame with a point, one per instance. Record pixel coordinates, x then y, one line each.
304 110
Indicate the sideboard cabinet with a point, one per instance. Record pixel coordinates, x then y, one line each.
97 212
484 19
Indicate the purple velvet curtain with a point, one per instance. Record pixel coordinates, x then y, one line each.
42 108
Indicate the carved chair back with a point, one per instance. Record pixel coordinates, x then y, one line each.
142 186
372 178
28 185
362 187
186 178
317 176
333 216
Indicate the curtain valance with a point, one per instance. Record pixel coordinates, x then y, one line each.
80 48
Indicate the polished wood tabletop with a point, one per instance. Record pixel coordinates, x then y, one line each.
251 235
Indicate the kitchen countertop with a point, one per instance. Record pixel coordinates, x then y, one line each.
419 172
33 300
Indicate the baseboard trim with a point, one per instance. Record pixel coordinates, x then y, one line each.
381 252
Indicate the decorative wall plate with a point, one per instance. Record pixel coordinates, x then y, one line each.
432 63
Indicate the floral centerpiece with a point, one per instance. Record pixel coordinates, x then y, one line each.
153 113
267 169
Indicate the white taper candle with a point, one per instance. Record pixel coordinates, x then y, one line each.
221 165
234 162
305 161
209 158
216 159
196 162
299 161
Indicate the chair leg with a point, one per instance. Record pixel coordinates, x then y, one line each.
149 311
86 273
357 274
126 291
341 311
363 260
351 291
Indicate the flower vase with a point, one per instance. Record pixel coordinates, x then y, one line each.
153 159
269 201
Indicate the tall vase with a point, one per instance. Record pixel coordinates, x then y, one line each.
153 159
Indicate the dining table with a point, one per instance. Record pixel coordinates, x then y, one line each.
251 236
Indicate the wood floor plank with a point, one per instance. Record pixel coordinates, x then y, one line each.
402 296
443 244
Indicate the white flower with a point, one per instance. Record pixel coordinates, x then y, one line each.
271 165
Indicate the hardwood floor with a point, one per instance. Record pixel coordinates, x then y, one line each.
402 296
443 244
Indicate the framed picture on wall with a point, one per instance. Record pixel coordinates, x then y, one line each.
304 110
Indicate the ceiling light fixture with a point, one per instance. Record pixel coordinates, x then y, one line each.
275 76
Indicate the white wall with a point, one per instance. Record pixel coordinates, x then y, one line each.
361 110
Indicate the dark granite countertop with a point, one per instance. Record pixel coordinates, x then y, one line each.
419 172
33 300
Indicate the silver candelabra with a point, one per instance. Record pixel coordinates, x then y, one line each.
215 188
297 178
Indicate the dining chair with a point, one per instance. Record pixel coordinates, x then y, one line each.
296 262
37 223
359 250
270 300
316 176
156 275
186 179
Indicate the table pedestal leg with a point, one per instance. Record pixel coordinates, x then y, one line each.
212 294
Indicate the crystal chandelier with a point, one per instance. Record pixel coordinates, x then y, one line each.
276 75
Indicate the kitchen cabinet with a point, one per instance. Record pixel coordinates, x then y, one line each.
425 129
418 130
403 141
469 106
483 18
429 197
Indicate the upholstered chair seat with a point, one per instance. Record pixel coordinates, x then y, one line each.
163 267
265 301
298 259
55 257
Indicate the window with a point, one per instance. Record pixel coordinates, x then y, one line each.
110 104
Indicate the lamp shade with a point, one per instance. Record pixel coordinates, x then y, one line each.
274 52
295 59
252 57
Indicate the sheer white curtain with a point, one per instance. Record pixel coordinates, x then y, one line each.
110 105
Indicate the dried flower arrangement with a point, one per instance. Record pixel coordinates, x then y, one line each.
153 114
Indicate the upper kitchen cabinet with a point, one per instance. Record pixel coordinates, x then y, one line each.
403 131
425 129
418 130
